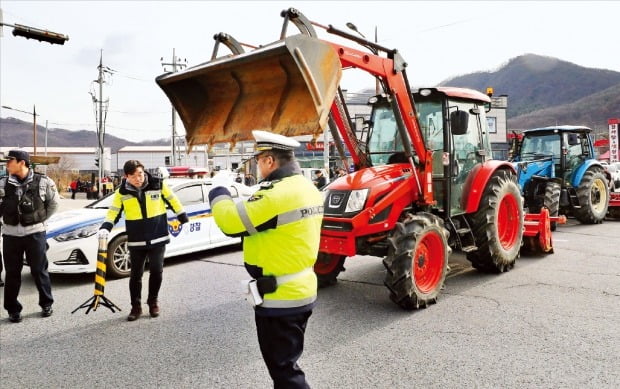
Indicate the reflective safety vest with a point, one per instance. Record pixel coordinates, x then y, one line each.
146 222
281 225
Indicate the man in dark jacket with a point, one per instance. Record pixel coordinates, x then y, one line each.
29 200
320 180
143 198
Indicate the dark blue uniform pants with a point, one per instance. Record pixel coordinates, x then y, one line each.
34 246
281 340
156 268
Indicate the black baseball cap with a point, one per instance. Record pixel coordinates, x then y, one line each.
19 155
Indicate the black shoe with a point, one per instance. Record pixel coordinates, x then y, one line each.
1 283
47 311
136 312
15 317
153 308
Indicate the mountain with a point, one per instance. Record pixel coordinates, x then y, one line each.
542 91
533 82
591 111
15 132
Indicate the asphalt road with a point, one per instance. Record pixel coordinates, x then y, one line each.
551 322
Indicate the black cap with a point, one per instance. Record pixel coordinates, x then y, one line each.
19 155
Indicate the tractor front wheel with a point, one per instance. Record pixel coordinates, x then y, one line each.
552 201
593 194
327 267
417 261
497 225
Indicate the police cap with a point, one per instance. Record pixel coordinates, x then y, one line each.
266 141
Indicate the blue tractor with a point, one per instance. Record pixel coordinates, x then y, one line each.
556 169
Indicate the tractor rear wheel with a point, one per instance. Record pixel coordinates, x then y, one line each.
417 261
327 267
498 225
593 194
552 201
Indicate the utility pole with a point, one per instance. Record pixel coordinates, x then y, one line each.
377 84
34 129
45 136
101 122
34 124
177 64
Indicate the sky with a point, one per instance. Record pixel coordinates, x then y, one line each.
438 39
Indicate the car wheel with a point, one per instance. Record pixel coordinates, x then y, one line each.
118 262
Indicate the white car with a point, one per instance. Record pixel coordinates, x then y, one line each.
72 235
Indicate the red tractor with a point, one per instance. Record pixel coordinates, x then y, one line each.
424 181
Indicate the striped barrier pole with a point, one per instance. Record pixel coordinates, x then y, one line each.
98 296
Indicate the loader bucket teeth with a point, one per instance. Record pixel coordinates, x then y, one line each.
286 87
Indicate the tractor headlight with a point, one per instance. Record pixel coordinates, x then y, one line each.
82 232
356 201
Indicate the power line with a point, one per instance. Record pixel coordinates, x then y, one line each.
177 64
136 129
140 113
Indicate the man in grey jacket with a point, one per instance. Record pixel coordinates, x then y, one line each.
29 199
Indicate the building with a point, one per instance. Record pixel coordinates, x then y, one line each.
155 156
77 159
497 124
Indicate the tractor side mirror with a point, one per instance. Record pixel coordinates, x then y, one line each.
459 121
573 139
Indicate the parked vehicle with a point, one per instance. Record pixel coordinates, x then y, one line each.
614 186
72 239
556 169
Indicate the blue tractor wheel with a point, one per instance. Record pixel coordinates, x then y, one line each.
593 194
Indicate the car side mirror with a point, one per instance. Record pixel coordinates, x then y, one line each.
459 121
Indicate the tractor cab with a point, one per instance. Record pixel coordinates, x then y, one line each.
556 169
566 148
454 129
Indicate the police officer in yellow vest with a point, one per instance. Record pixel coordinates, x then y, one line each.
143 198
281 226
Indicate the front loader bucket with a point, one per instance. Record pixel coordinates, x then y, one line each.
286 87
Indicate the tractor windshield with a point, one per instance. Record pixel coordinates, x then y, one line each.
537 146
384 139
430 118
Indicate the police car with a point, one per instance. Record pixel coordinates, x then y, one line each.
72 235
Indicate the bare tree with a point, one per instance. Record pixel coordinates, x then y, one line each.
62 173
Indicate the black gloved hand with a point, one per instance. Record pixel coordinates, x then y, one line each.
183 218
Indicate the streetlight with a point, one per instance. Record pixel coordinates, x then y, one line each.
34 124
354 28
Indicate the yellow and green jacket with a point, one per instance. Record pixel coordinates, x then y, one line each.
281 226
146 222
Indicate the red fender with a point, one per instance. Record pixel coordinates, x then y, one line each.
477 180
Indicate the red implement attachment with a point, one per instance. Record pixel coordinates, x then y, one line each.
537 233
614 199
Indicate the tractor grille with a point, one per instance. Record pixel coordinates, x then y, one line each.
336 202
